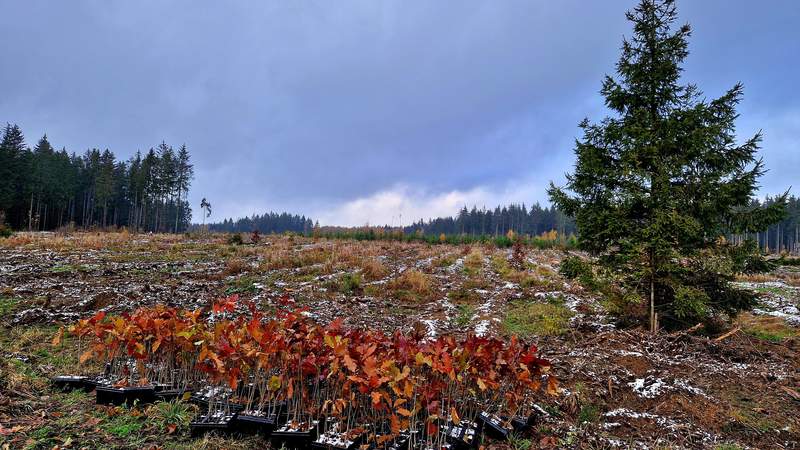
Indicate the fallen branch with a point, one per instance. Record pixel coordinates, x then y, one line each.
728 334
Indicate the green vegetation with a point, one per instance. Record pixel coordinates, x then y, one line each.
465 313
349 283
528 319
7 306
589 414
643 206
174 413
242 285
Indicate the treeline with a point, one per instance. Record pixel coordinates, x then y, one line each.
44 189
783 236
497 222
270 222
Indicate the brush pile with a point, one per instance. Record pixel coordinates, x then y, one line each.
309 385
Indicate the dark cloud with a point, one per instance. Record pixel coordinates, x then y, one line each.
310 106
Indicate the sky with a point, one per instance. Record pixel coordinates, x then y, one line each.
370 111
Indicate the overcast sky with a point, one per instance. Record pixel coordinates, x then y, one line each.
360 111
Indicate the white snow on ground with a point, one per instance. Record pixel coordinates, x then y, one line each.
774 303
652 387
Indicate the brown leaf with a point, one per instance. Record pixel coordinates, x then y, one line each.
57 338
171 428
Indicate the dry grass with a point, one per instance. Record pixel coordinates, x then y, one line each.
412 281
235 266
768 328
372 268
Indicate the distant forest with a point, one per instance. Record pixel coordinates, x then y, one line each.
783 236
479 222
44 189
267 223
499 221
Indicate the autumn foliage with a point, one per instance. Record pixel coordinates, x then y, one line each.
288 364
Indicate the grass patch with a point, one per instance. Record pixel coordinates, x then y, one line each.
465 313
7 306
528 319
242 285
124 424
349 283
175 413
767 328
412 285
588 414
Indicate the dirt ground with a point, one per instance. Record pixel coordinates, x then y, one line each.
620 387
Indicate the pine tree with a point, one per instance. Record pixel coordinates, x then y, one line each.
656 184
12 149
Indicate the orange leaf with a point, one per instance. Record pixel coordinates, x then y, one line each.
85 356
171 428
454 416
57 338
552 386
348 361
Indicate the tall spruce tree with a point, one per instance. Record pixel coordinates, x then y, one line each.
657 184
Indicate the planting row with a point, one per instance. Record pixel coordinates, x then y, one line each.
306 384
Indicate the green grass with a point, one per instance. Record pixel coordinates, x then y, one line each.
771 336
123 425
348 283
465 313
588 414
242 285
7 306
528 319
176 412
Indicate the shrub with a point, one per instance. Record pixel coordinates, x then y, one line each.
349 283
235 239
573 267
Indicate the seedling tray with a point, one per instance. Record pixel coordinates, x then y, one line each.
337 441
282 436
107 395
205 424
462 436
494 426
248 423
167 395
67 383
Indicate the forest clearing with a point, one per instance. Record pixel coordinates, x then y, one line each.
617 387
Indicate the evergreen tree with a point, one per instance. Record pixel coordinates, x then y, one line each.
12 150
659 182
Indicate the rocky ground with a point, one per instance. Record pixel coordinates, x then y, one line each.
620 387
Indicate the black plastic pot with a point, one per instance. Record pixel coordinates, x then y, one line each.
107 395
326 444
521 424
254 424
463 436
494 426
67 383
205 424
166 395
283 436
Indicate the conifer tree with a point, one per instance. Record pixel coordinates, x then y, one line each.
656 184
